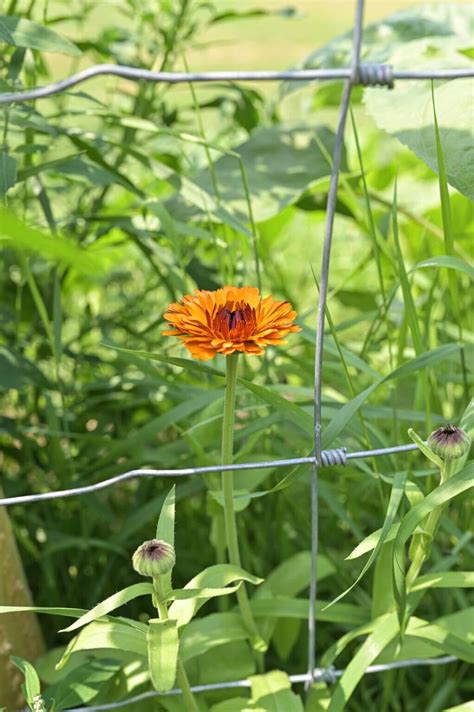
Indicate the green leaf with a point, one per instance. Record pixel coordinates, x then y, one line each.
16 371
280 163
398 489
297 608
444 579
370 542
82 684
454 486
163 647
290 411
110 604
20 236
7 172
214 577
384 632
427 452
454 263
165 530
447 642
203 634
105 635
272 692
32 685
185 363
349 409
467 420
413 122
48 610
24 33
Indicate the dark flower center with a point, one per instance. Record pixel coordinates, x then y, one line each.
233 317
154 550
448 433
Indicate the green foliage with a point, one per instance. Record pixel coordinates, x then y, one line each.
119 198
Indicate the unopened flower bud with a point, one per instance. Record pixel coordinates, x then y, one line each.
154 558
449 442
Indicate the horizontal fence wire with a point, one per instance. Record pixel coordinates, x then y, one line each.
329 675
383 75
330 458
369 74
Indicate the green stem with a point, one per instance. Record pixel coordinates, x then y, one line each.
181 675
430 527
228 497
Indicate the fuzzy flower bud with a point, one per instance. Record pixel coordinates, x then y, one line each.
154 558
449 442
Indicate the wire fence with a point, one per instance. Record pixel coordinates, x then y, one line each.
358 73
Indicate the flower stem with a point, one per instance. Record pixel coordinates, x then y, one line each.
228 497
181 675
430 526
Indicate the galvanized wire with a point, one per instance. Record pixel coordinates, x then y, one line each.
330 458
329 675
370 74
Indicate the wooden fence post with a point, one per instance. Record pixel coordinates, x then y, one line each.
20 633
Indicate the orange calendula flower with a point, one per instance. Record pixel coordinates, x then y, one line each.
228 320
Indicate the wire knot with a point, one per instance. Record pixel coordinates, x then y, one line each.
328 675
330 458
372 75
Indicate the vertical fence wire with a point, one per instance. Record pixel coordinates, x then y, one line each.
318 358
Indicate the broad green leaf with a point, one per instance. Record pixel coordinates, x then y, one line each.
82 684
217 576
113 635
203 634
32 685
293 575
111 604
382 38
272 692
20 236
23 33
7 172
398 489
213 665
413 122
163 647
280 163
165 530
384 632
